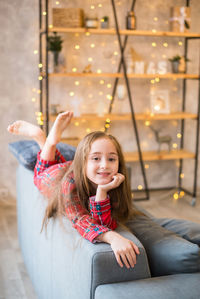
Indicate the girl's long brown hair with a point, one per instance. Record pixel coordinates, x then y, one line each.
121 199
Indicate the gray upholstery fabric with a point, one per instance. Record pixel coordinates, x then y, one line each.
62 264
167 252
181 286
187 229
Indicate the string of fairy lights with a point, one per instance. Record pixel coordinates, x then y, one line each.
95 7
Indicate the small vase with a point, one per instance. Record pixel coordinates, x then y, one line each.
175 67
55 61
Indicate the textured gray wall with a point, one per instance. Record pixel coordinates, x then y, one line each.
19 72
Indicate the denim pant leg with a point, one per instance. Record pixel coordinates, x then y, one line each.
167 252
186 229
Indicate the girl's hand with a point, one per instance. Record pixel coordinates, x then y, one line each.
102 190
125 250
117 180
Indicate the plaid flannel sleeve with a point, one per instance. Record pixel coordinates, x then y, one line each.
46 172
81 219
101 211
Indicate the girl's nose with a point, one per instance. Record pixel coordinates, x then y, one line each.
103 163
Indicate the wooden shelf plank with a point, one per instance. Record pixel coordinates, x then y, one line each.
112 31
127 116
163 155
147 155
131 76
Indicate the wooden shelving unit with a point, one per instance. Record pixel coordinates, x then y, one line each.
183 115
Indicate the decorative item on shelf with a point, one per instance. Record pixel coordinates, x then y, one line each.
121 91
165 139
54 109
91 22
87 69
159 101
55 46
178 64
105 22
180 19
130 21
68 17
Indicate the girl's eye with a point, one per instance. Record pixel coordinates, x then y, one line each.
95 158
112 159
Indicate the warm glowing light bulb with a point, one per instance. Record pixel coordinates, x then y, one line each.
175 195
146 166
33 99
35 52
50 26
92 45
99 71
180 43
40 78
57 2
76 123
88 130
140 187
174 145
182 175
90 59
147 123
109 85
92 7
71 93
40 65
165 45
154 44
74 69
182 193
109 97
76 83
179 135
116 53
44 13
77 47
155 19
152 81
154 30
87 33
157 79
100 5
101 82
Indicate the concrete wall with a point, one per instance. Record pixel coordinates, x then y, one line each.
19 79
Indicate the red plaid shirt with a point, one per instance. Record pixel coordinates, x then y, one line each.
88 224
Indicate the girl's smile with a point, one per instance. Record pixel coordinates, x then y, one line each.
102 163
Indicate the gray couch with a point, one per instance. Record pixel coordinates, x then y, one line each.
62 265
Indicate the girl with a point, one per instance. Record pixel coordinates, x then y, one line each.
93 190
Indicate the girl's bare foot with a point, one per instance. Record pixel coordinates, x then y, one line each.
61 123
26 129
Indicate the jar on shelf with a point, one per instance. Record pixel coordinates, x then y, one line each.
91 22
130 21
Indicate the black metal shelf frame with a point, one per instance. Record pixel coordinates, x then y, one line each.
44 97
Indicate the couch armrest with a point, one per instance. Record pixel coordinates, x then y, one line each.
60 262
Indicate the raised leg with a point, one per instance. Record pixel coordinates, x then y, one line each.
26 129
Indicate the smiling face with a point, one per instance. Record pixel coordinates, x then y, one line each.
102 162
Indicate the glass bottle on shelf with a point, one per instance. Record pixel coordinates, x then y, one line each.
130 21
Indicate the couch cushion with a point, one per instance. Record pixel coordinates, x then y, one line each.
25 151
183 286
167 252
